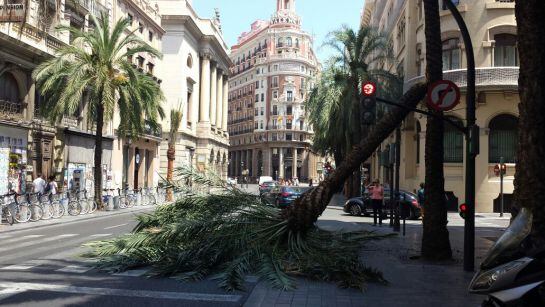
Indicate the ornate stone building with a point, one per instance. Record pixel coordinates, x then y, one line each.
274 69
195 70
492 26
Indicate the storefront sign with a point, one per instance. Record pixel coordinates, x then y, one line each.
12 12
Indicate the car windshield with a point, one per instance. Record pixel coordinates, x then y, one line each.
296 190
269 184
502 251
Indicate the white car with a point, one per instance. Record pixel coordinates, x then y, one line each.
231 180
263 179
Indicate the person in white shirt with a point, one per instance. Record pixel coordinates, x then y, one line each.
39 184
52 185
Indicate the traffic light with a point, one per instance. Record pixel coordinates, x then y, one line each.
368 102
463 211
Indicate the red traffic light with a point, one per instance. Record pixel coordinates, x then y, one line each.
368 88
463 210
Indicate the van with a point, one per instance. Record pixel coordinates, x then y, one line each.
265 179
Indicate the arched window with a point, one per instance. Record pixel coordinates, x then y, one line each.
505 50
297 43
502 139
451 54
280 42
289 41
189 61
9 90
453 142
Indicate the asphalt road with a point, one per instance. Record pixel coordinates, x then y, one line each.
41 267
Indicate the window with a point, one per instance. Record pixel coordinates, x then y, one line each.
262 111
303 85
275 67
9 89
140 27
130 18
262 97
288 137
150 36
189 61
289 41
301 125
290 95
140 61
257 84
275 82
453 143
275 94
262 84
261 125
256 97
502 139
505 50
275 110
256 125
451 54
297 43
275 123
280 42
256 112
150 68
289 110
288 124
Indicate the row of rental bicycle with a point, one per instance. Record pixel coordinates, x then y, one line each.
32 207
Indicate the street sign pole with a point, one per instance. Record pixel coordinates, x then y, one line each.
501 186
472 141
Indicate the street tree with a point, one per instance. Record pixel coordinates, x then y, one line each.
175 121
96 65
530 170
435 237
334 105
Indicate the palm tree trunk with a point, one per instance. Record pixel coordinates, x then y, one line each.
171 155
530 172
435 237
305 211
98 155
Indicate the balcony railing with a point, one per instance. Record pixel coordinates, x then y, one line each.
69 121
153 131
506 77
11 110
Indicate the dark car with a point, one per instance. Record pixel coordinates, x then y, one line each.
362 205
283 196
266 187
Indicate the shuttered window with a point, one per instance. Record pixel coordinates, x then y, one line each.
502 139
453 143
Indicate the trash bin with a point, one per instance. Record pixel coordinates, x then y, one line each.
116 202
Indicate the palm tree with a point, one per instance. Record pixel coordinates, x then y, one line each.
97 65
334 105
175 121
435 237
529 181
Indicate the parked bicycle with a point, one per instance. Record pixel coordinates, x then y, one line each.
74 206
36 209
5 203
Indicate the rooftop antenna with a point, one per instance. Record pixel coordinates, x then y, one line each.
217 18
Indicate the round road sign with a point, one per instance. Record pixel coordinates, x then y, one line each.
443 95
368 88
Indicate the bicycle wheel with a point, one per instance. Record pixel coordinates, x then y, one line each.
6 213
36 212
57 209
47 211
130 201
122 202
74 208
22 214
92 205
84 207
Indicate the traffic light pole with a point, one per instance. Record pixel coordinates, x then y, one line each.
472 141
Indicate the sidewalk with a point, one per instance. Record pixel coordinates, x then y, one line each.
412 282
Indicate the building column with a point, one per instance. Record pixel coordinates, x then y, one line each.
204 102
225 104
213 94
267 162
281 162
294 163
219 100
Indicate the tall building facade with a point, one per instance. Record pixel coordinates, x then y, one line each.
492 26
195 71
274 68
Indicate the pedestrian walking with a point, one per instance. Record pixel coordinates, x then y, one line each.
52 185
376 191
39 184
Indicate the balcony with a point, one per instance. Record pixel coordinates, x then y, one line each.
11 110
504 77
70 121
153 131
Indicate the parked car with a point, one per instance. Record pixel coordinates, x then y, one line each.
362 205
283 196
231 180
263 179
267 186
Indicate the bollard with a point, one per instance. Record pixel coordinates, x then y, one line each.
116 202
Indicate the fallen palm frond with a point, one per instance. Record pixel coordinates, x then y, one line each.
228 234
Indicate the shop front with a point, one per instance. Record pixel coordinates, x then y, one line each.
79 161
13 159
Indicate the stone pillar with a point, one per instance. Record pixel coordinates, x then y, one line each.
294 163
225 104
281 162
213 94
219 101
267 162
204 102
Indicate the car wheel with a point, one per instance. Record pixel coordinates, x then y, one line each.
355 210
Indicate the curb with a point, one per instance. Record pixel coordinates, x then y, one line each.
86 218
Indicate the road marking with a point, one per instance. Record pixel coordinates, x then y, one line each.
99 235
133 273
122 292
21 239
18 267
74 269
111 227
26 244
5 293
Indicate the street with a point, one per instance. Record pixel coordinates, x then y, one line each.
41 267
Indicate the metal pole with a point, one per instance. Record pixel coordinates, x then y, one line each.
396 181
501 187
471 150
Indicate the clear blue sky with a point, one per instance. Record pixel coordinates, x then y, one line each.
319 16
